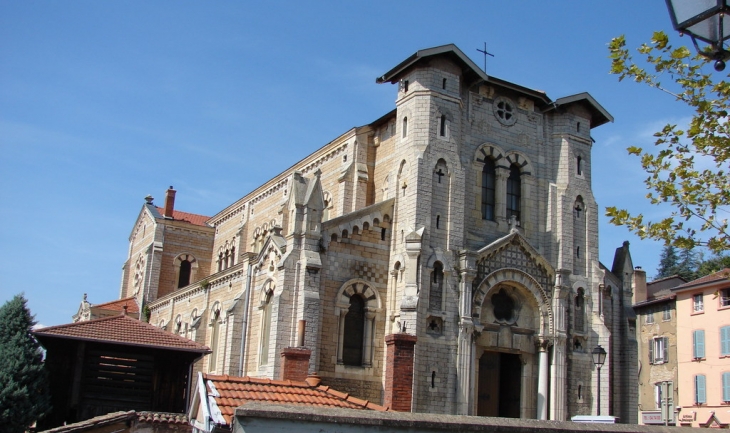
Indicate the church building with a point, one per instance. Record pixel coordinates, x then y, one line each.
442 258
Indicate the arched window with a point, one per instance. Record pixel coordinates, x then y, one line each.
214 335
580 311
579 165
488 189
185 270
514 192
354 332
265 327
435 295
405 127
184 276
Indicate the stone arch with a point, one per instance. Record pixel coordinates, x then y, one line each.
266 292
519 159
362 287
516 276
488 150
186 269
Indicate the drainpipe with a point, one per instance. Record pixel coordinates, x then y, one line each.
244 323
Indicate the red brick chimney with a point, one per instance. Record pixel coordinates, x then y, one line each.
399 372
295 363
169 202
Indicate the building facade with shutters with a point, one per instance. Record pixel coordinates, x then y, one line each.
442 258
703 328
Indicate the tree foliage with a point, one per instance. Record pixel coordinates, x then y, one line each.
668 262
24 396
686 169
685 263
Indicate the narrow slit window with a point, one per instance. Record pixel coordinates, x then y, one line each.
438 220
405 127
442 131
443 84
579 166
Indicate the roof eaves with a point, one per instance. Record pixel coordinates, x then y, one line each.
603 115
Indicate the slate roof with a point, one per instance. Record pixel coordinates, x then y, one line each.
717 276
194 219
123 330
119 304
229 392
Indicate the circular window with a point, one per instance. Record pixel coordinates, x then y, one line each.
504 110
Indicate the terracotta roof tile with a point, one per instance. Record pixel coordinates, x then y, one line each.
194 219
717 276
119 304
235 391
122 330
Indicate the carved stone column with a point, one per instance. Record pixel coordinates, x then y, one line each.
465 357
500 194
542 379
341 339
368 339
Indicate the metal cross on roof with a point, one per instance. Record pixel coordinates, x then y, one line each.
484 51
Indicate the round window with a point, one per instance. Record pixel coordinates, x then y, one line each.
504 110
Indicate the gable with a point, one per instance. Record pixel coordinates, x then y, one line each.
514 252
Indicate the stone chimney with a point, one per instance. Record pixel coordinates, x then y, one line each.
399 372
169 202
639 284
295 363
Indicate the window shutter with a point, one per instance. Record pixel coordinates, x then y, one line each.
725 386
725 340
700 389
651 351
666 349
698 340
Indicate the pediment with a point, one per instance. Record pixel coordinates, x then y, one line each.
515 252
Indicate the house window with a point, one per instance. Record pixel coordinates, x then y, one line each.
698 344
700 396
726 387
724 298
697 303
649 318
667 312
354 332
514 192
488 188
725 341
659 350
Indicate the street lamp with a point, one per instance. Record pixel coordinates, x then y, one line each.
703 20
599 357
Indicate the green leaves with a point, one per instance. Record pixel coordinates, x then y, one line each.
700 197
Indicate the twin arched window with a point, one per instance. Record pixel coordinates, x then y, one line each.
489 188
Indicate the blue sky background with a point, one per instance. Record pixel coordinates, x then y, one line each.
102 103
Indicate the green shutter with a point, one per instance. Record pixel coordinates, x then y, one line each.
651 351
725 386
700 389
698 340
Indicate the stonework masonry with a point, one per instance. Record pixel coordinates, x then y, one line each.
462 222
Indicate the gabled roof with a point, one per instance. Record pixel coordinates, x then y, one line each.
194 219
472 72
225 393
123 330
514 237
118 305
707 280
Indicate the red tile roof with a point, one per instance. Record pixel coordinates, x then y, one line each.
229 392
119 304
717 276
194 219
122 330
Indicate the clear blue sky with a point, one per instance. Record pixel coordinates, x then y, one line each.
102 103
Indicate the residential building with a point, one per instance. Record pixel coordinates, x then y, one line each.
656 314
703 352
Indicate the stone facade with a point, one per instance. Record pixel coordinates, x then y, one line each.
464 218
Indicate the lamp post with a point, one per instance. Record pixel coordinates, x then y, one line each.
599 357
703 20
